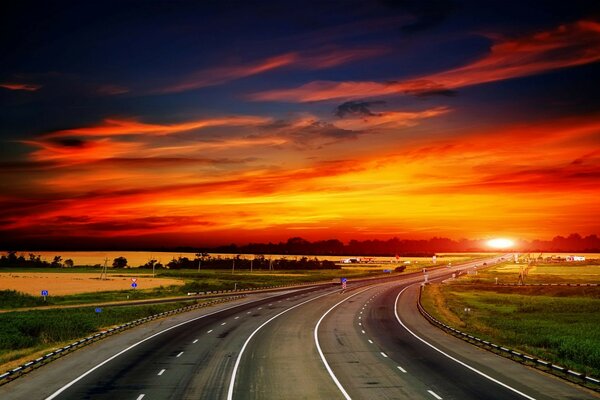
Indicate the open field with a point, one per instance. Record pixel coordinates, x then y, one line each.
542 273
60 284
136 258
555 323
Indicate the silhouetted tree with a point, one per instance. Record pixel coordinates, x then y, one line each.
119 262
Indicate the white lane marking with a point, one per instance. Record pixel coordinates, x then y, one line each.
360 324
383 354
401 369
162 371
80 377
241 353
431 392
359 317
260 308
209 331
224 323
140 397
249 312
195 341
237 318
316 336
370 341
179 355
363 332
449 356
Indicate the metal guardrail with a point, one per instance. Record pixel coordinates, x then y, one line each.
55 354
547 284
509 353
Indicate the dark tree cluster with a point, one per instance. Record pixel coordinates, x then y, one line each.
11 260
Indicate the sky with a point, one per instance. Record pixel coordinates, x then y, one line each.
182 123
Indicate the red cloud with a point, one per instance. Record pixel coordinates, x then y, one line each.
120 127
566 46
315 60
28 87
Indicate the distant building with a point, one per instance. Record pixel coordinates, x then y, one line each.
575 258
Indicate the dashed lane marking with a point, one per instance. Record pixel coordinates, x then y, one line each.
162 371
431 392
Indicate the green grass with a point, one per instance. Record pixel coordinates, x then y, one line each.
556 324
544 273
26 332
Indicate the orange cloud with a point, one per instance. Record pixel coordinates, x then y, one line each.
28 87
566 46
389 119
316 60
121 127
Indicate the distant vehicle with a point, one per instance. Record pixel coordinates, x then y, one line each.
356 260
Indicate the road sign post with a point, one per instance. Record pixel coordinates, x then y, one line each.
44 294
343 282
134 285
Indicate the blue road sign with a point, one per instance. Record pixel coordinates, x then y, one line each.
134 285
98 310
344 280
44 293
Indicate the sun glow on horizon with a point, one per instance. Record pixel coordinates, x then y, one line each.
500 243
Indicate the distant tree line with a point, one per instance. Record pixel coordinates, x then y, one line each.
10 260
259 261
402 247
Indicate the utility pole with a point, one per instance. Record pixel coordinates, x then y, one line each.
233 267
251 265
104 269
199 264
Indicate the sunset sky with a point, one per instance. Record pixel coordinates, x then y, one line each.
166 123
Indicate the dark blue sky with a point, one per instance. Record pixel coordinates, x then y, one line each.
111 94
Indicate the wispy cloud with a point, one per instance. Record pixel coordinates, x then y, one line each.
121 127
27 87
321 59
566 46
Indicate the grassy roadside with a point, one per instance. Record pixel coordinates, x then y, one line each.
26 334
195 281
558 324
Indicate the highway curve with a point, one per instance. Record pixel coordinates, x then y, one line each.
322 344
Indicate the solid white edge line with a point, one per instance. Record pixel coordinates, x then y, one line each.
316 336
239 357
431 392
448 355
80 377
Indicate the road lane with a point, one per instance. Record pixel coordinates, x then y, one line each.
200 371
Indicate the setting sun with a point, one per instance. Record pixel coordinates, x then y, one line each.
500 243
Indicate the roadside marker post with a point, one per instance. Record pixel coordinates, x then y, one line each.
45 294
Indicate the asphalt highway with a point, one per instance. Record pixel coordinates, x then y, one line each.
368 342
